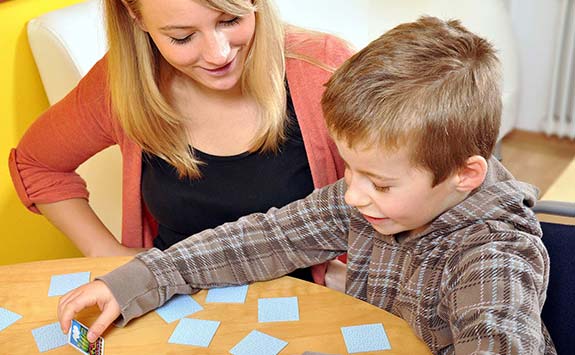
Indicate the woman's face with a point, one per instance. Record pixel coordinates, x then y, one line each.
208 46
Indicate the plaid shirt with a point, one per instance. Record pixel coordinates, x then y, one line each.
473 282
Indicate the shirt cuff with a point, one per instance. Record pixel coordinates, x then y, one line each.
134 288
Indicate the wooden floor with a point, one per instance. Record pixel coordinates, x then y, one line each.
536 158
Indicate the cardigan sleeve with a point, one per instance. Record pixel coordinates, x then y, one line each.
43 165
310 61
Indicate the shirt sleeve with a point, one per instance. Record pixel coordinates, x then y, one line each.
494 298
43 165
255 248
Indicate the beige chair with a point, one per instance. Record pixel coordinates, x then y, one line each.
66 43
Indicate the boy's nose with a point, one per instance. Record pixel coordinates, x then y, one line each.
355 196
216 49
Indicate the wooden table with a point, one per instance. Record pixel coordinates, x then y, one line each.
24 290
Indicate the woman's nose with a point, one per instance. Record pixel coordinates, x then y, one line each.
216 49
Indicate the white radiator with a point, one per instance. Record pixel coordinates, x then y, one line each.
560 117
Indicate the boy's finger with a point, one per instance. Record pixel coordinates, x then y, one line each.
109 314
65 321
67 310
62 305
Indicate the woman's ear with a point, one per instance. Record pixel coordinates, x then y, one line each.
472 175
135 18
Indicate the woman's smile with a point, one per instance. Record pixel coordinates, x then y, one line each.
223 70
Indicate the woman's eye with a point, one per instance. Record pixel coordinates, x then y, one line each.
181 40
381 188
231 22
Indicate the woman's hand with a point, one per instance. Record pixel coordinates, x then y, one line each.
94 293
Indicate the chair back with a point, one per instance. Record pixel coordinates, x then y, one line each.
66 43
559 312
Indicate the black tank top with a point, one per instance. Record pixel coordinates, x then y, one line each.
230 186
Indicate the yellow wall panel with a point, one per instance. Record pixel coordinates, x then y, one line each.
24 236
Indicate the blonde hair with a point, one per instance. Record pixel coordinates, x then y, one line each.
144 112
429 85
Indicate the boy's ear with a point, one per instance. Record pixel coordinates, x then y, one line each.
134 17
472 174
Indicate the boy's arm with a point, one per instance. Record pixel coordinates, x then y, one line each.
494 296
254 248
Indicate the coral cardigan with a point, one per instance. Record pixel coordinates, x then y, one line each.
43 165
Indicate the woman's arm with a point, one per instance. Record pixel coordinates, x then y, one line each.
76 219
43 166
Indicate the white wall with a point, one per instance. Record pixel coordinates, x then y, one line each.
334 16
361 21
535 24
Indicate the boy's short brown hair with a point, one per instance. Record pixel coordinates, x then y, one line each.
429 85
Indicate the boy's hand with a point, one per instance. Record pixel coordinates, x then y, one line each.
94 293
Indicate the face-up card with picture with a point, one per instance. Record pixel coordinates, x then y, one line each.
78 338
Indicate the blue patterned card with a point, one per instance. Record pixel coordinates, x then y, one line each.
7 318
178 307
362 338
49 337
62 284
258 343
195 332
232 294
278 309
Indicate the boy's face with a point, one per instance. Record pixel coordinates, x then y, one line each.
392 194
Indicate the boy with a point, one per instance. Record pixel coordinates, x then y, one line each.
436 231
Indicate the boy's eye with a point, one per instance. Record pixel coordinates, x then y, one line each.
381 188
183 40
231 22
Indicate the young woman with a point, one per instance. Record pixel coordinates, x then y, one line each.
216 107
